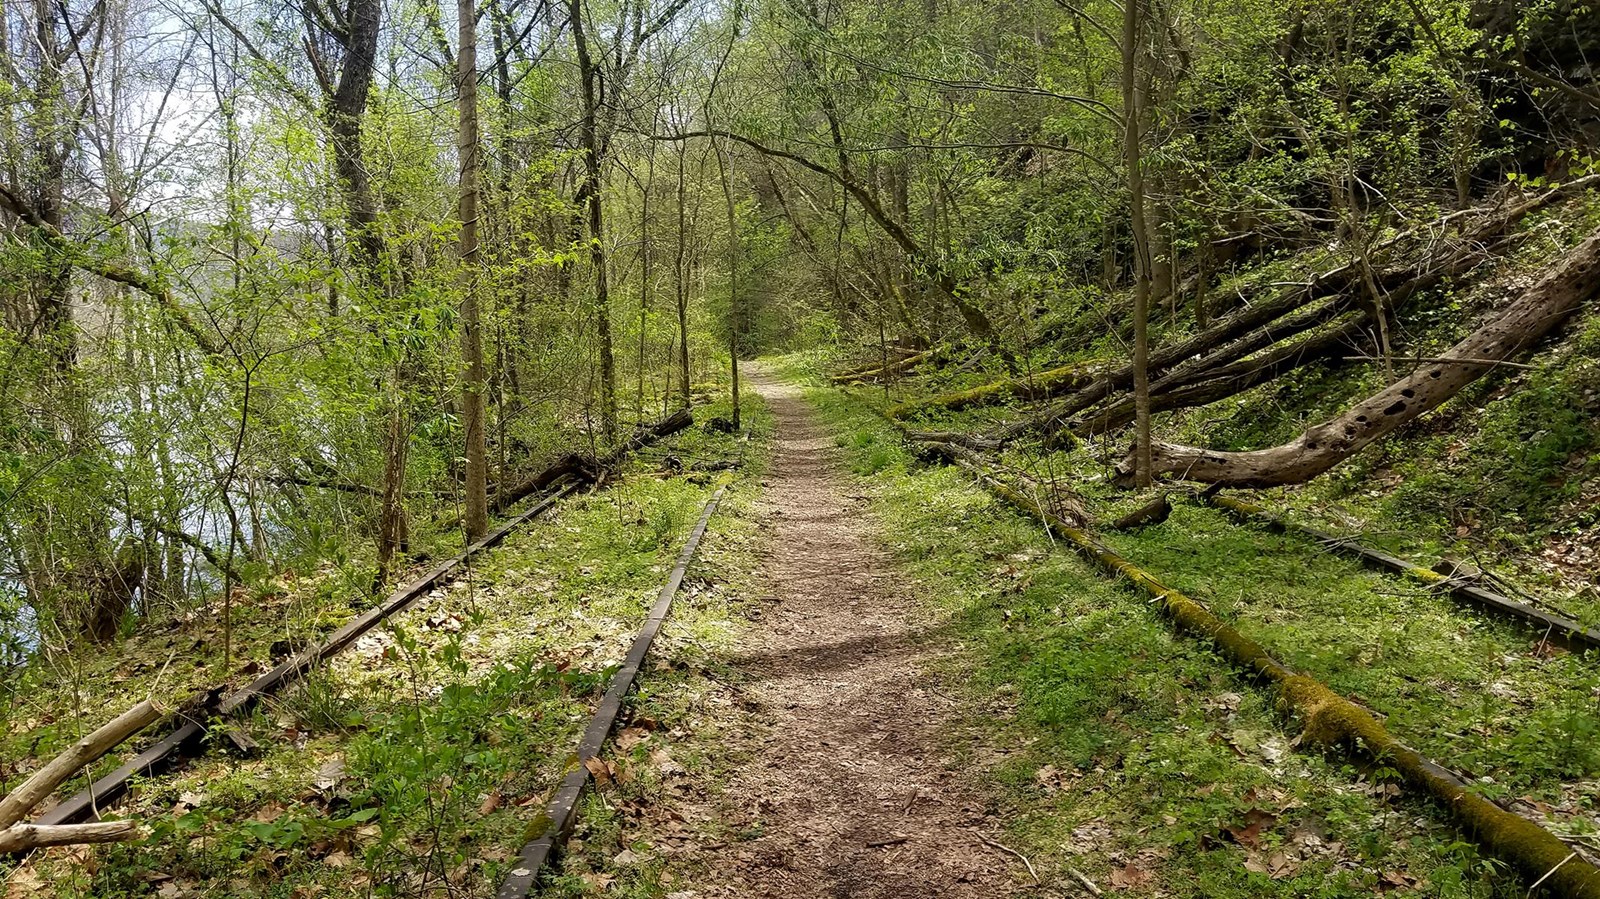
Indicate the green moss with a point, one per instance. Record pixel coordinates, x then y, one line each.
1041 386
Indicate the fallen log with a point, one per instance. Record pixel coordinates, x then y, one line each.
575 465
892 368
1153 512
1564 288
1172 392
23 837
1555 628
16 805
895 353
1045 385
1334 723
1482 233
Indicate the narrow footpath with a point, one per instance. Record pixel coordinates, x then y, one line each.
845 783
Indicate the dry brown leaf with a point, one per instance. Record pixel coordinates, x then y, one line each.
490 803
602 771
1247 832
630 737
24 883
1129 877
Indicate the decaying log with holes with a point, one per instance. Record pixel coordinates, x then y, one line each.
1444 248
1563 289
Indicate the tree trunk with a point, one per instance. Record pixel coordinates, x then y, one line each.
347 107
681 283
1141 241
733 280
588 133
475 388
391 513
1560 293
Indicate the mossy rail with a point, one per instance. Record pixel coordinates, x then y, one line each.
1333 722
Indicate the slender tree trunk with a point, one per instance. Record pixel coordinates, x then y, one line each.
475 388
1141 241
734 318
592 166
681 281
48 123
646 265
391 516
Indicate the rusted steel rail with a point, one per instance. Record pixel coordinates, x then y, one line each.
562 812
187 738
1555 628
1331 721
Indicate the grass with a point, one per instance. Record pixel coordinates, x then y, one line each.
418 762
1146 763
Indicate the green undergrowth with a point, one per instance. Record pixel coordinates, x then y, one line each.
1140 759
671 735
1505 476
418 762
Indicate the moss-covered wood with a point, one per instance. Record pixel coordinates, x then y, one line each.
1042 386
1333 722
896 367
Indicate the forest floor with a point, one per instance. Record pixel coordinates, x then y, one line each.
846 785
929 691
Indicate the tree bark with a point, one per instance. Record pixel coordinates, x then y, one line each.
347 106
58 770
681 283
1131 112
391 513
1561 292
588 134
733 279
475 388
23 837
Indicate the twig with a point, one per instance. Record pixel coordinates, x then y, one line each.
1087 883
1004 848
891 841
1547 874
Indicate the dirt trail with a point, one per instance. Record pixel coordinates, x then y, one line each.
847 783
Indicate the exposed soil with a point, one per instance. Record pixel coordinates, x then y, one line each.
844 784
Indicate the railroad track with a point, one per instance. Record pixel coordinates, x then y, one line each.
562 811
200 716
561 814
1555 628
1332 721
188 737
